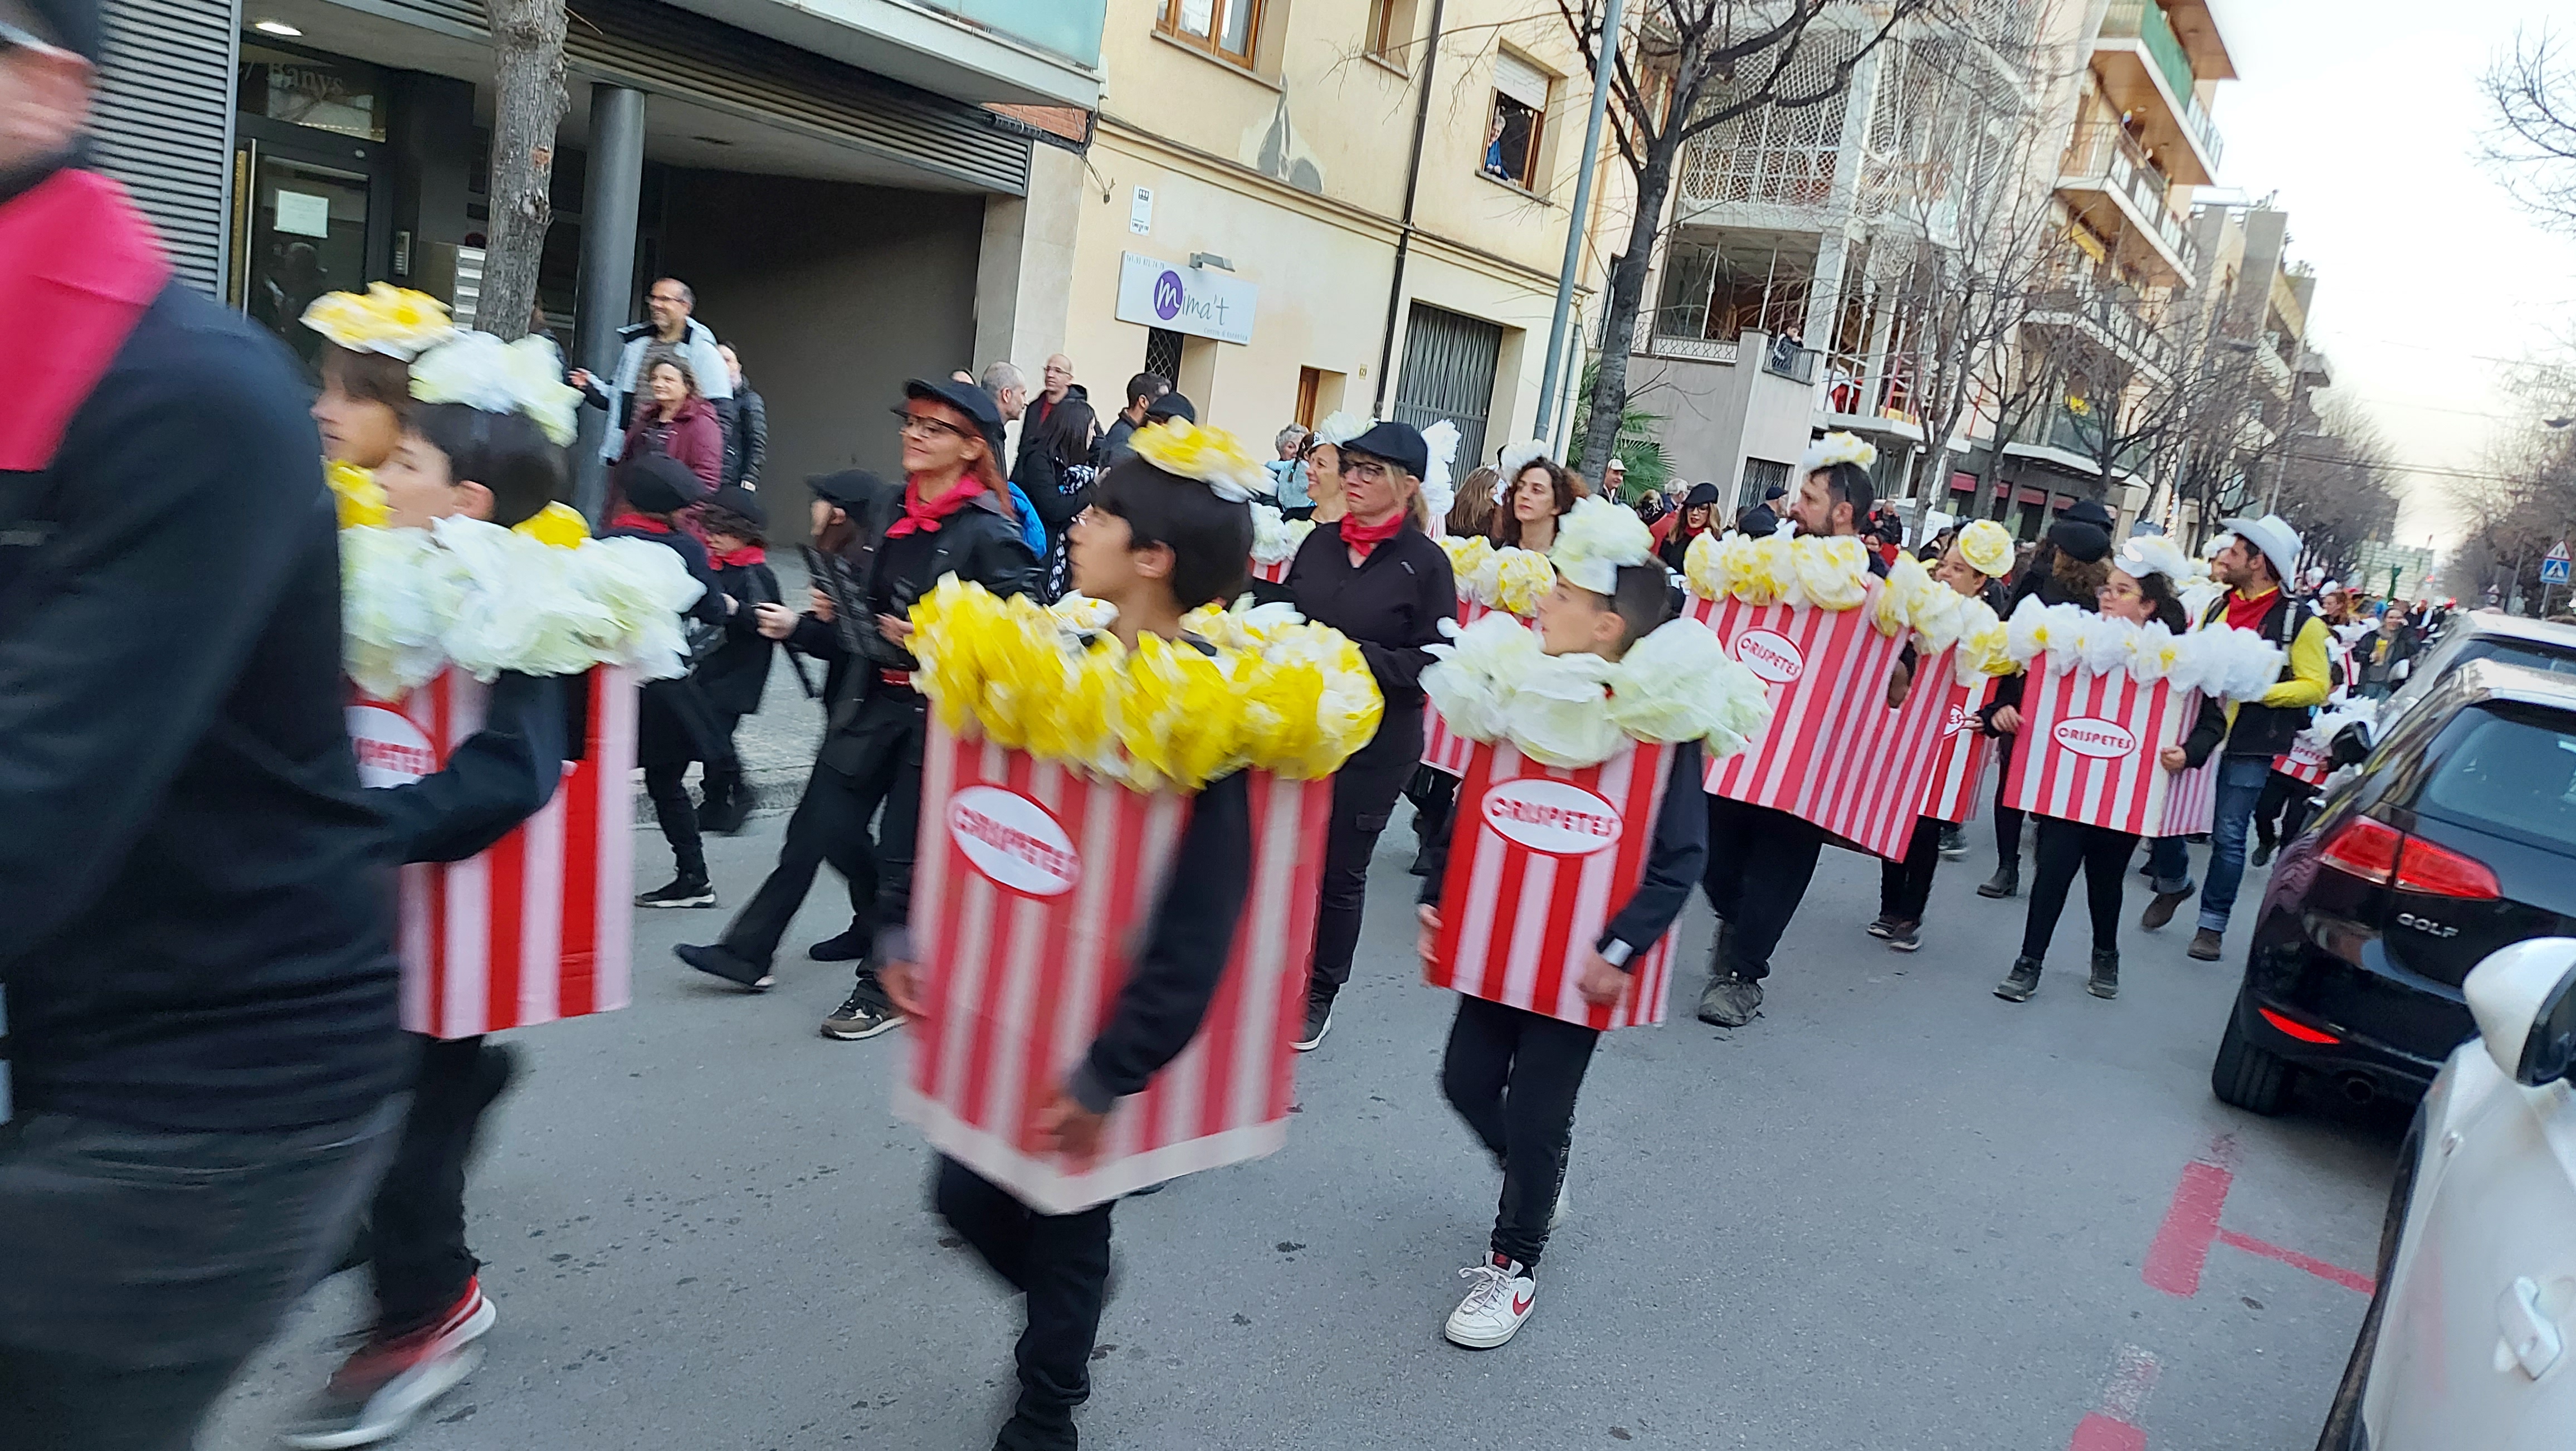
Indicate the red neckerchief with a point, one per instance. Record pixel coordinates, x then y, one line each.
928 517
2247 612
743 558
640 523
1365 538
78 267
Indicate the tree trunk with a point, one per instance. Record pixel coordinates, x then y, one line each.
1619 319
529 37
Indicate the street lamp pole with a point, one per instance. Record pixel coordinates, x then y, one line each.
1601 72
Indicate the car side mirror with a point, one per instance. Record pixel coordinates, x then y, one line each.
2524 1000
2351 745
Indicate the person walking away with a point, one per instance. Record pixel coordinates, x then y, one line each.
1473 513
746 434
1696 516
204 1057
675 419
2139 589
1055 473
734 671
2068 568
1905 886
674 725
1512 1075
670 328
1155 545
2259 555
1288 476
453 461
1142 390
1378 578
1760 860
949 519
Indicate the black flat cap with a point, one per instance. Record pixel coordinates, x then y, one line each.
849 488
1173 405
1397 443
660 484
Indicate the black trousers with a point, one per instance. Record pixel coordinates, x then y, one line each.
2064 848
677 815
2282 810
2008 820
723 775
1060 1262
1904 887
1364 793
831 825
1513 1076
1759 863
416 1224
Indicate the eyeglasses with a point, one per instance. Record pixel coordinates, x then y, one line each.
1366 470
670 299
929 427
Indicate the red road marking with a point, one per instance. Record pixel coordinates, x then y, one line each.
2115 1426
2098 1432
2181 1246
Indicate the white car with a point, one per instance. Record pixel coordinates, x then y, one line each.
2470 1341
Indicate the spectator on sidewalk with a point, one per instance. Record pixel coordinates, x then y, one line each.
673 329
1288 476
1142 391
747 435
1055 475
201 987
1056 385
676 419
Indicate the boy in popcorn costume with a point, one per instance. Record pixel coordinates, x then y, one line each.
472 564
1605 670
1168 531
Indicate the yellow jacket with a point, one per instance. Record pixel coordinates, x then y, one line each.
2310 678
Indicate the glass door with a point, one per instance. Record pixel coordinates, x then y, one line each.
306 229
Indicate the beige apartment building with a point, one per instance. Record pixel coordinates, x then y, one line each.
1298 208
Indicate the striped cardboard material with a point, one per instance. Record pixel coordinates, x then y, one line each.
1443 749
1965 752
1540 859
539 926
1032 882
2304 764
2090 745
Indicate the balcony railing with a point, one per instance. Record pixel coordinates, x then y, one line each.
2111 318
2144 21
1680 332
2104 153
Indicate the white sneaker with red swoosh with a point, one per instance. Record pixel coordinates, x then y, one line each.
1493 1311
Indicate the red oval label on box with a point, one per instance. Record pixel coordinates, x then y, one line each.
1771 655
1016 843
2089 735
391 750
1555 817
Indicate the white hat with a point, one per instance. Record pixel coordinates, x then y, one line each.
2273 535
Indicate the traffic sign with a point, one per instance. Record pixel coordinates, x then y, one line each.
2554 565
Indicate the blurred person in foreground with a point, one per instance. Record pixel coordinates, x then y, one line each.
200 988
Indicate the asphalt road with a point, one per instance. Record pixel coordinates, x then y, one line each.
1894 1212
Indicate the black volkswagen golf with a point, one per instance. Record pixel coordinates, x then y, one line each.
2456 837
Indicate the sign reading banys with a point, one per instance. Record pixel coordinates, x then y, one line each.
1013 841
1771 655
391 750
2090 735
1555 817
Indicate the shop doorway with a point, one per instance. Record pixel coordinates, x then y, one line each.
307 219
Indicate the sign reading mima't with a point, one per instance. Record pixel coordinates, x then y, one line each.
1182 299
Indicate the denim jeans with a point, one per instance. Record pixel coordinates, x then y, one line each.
2169 866
2240 785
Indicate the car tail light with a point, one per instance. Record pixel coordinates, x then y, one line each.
2364 848
2296 1029
2441 872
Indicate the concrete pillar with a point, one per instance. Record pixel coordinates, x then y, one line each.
1023 292
613 197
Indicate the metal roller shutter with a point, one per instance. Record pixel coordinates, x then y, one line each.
665 51
163 124
1449 364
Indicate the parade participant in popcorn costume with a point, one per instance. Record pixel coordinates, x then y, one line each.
368 342
1375 576
2141 590
1760 860
2067 568
950 518
476 564
1166 533
1978 556
1605 667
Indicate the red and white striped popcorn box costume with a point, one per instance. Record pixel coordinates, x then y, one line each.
1540 859
2090 744
1273 573
2304 763
2191 802
1835 755
1031 884
1959 770
539 926
1443 749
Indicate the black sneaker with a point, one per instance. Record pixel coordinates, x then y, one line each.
1319 1021
680 892
866 1013
850 946
1883 928
717 960
1954 844
2105 981
2023 980
1905 936
1730 1001
2262 855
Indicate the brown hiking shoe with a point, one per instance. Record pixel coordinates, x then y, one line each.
2204 946
2161 910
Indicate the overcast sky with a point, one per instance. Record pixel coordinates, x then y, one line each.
2364 115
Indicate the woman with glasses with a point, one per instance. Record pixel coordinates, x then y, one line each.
1375 575
954 516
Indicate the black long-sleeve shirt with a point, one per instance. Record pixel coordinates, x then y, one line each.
1390 604
1187 942
502 774
1673 863
197 929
